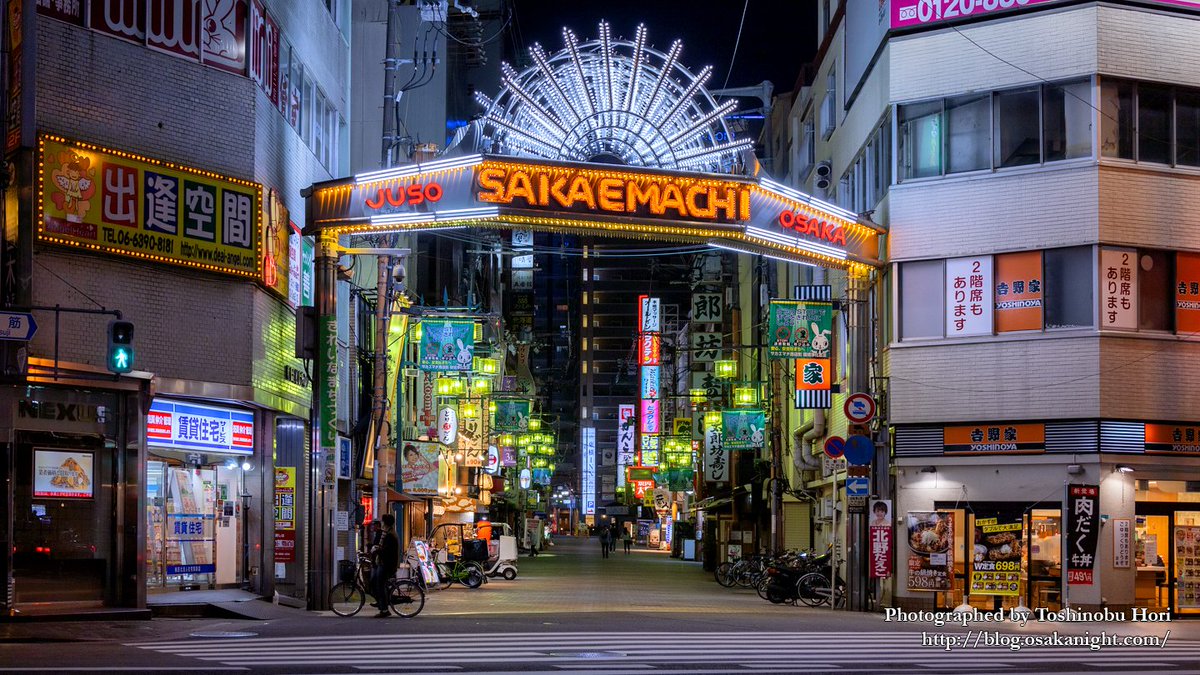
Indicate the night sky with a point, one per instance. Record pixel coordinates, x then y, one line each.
778 37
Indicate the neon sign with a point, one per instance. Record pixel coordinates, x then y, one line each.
565 188
398 195
814 227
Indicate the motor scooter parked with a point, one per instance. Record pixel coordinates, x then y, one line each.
504 562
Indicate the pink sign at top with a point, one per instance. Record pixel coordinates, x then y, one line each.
911 13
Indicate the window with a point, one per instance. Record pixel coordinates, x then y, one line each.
1154 124
829 103
306 111
1066 120
921 298
1156 291
1070 275
808 152
882 156
921 140
967 119
1116 119
1187 128
1017 127
995 130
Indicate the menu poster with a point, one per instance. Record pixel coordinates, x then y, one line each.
1187 566
62 475
1083 533
930 557
996 563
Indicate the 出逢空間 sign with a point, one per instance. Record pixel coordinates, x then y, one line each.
116 202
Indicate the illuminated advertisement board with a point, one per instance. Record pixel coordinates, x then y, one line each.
62 474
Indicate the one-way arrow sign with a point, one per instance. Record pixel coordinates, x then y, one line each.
14 326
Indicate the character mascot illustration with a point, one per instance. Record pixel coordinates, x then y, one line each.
75 180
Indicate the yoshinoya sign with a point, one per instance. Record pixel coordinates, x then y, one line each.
190 426
725 211
994 439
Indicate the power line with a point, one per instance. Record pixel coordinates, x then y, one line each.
736 44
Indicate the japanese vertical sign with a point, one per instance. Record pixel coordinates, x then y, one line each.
743 429
588 458
996 563
327 391
1019 291
880 538
707 308
968 309
112 202
1122 542
1082 532
649 340
799 329
930 551
1118 288
1187 293
626 432
705 347
285 514
447 344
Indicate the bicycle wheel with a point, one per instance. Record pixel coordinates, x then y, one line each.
723 574
347 599
761 587
813 589
406 598
473 576
445 576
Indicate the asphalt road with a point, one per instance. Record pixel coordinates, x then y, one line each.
571 611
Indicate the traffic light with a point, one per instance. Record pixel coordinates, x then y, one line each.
120 346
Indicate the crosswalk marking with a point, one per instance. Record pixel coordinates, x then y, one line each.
637 652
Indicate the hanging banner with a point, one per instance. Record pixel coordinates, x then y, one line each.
930 556
707 308
743 429
118 203
1118 288
512 414
1187 293
814 384
996 562
716 457
447 344
799 329
1083 533
447 425
968 311
419 464
1019 291
880 537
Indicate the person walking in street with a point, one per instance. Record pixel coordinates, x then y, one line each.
627 539
602 535
387 558
612 538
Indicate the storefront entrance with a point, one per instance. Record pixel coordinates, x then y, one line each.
194 523
1167 546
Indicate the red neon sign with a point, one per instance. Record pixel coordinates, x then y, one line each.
812 226
396 196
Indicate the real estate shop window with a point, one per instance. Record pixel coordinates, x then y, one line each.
922 314
1070 275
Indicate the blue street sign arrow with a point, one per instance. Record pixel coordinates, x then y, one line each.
17 326
858 486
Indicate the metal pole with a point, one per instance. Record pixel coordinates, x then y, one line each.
321 534
856 539
391 63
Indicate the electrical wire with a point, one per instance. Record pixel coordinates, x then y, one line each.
736 44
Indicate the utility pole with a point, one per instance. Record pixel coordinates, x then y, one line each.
391 63
857 289
322 496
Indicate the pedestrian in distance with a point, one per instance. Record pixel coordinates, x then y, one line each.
602 535
387 558
628 540
612 539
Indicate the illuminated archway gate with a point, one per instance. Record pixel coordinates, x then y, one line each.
745 215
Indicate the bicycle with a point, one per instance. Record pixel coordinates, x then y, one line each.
348 597
815 590
469 574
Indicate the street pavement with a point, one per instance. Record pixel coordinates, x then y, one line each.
571 611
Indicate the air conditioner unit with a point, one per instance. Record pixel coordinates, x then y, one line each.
822 176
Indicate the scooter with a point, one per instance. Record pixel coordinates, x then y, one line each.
505 562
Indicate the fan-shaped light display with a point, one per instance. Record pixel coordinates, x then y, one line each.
611 101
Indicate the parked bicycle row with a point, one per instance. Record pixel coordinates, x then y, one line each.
788 577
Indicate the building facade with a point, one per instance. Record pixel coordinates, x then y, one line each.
1033 168
160 158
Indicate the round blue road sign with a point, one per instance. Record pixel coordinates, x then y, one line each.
835 446
859 450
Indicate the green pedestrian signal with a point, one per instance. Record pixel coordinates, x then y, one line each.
120 346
